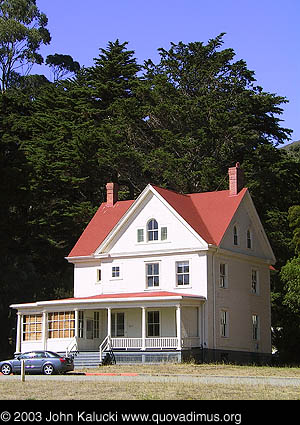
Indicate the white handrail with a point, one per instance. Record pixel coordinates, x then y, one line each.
73 346
105 344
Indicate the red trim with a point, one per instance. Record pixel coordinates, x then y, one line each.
134 295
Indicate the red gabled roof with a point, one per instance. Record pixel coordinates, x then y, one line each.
208 213
99 227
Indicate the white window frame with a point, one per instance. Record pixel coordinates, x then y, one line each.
235 235
152 263
116 272
63 324
255 327
99 275
153 231
154 323
96 330
254 282
163 233
224 323
89 328
80 324
140 235
33 328
249 239
114 324
178 285
223 278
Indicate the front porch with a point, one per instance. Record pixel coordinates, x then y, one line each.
166 322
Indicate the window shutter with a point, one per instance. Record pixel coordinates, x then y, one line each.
164 233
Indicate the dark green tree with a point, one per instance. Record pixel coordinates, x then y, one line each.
205 113
62 65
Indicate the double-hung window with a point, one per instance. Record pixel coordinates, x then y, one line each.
182 273
152 275
254 281
118 324
153 324
224 324
223 281
255 327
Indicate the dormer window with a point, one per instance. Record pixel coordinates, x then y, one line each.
152 229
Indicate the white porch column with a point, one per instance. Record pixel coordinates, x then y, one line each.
200 324
44 330
19 332
143 328
109 325
178 326
76 323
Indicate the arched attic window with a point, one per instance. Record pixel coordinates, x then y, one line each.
152 230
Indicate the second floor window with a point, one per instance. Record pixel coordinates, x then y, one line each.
182 273
223 276
254 281
152 275
152 228
115 271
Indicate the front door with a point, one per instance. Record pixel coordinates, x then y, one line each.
117 324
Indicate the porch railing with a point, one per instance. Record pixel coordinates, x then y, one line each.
155 343
137 343
171 342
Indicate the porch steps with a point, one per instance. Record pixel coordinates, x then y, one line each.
86 359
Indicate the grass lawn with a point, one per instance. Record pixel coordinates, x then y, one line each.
198 369
53 390
92 390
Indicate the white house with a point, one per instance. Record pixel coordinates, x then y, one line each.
165 276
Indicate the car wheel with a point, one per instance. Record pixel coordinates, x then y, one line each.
6 369
48 369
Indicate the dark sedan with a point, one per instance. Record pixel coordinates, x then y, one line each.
45 362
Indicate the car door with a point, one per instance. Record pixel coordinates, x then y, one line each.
27 358
36 362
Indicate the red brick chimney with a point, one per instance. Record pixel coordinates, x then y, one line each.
111 194
236 179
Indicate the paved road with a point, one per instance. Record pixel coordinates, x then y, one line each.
230 380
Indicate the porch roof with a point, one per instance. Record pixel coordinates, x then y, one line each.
117 297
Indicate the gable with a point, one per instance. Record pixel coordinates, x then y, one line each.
178 233
246 219
206 216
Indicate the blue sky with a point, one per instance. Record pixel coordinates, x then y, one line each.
265 33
